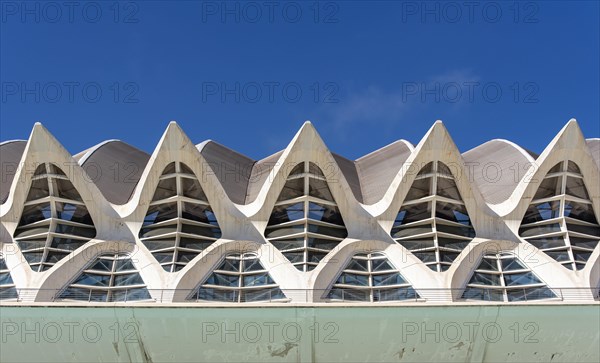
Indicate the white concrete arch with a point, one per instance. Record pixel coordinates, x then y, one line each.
541 264
568 145
175 146
436 145
409 266
42 147
243 225
307 146
192 275
72 266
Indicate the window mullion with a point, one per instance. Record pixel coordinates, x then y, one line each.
502 283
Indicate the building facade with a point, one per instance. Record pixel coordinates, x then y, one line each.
198 253
204 224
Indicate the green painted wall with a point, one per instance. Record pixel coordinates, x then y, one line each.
501 333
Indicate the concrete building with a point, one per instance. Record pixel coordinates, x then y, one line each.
204 226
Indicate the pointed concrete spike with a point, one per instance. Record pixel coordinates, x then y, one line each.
42 139
306 130
570 133
173 131
436 134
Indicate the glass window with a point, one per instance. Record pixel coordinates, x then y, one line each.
481 278
180 184
549 188
195 244
325 213
388 279
512 273
169 169
573 168
552 186
589 230
511 264
539 230
293 188
102 265
547 242
465 231
323 244
447 188
287 213
428 168
277 232
184 169
413 213
25 245
378 280
420 189
319 189
297 170
93 280
39 189
124 265
102 277
556 168
583 242
541 212
455 244
76 231
583 212
254 275
381 265
426 257
288 244
487 264
444 170
54 170
417 244
327 231
303 213
130 279
199 213
358 265
353 279
191 188
66 190
576 188
315 170
73 212
559 256
166 188
434 173
526 278
35 213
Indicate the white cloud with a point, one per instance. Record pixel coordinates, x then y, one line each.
376 106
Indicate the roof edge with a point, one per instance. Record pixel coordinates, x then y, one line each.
93 149
508 142
11 141
408 144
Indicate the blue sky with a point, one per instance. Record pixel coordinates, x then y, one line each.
248 74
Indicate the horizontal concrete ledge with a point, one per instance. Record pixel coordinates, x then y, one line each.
301 333
294 305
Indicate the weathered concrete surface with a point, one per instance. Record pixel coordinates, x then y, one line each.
493 333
